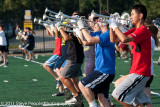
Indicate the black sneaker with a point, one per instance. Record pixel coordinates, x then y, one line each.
158 63
58 94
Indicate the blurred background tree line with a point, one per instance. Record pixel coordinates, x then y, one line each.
13 10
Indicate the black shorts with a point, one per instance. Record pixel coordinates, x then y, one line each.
30 47
149 81
3 48
98 82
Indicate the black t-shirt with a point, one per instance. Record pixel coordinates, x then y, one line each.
31 40
75 50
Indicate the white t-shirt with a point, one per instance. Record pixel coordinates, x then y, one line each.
152 52
3 41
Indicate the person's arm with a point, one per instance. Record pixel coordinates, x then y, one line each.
49 31
66 36
56 33
84 41
123 38
113 37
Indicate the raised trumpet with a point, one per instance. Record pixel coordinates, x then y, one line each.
36 20
47 10
93 14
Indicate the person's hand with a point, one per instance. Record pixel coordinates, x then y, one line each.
77 32
52 26
113 22
58 25
80 24
45 25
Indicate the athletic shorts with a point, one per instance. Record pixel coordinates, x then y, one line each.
3 48
71 69
149 81
98 82
30 47
62 63
54 61
131 90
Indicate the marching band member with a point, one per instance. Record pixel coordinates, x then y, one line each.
130 90
69 76
97 83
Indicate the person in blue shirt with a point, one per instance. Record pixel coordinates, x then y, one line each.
96 84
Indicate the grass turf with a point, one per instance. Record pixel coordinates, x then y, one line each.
18 85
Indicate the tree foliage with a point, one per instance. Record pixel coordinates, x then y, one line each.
13 10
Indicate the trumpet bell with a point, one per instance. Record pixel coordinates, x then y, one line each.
35 20
40 21
46 10
44 16
125 16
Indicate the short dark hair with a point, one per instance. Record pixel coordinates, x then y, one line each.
139 8
2 26
105 13
28 28
77 13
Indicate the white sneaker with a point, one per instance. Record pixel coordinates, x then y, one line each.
5 65
72 100
36 56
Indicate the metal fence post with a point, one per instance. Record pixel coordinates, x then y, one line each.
43 40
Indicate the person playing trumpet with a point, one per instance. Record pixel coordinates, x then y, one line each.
69 76
129 89
96 84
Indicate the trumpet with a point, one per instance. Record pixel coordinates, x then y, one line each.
36 20
105 17
64 17
47 10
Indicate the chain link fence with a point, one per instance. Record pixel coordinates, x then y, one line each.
43 42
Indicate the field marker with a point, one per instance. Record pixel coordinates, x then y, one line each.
26 65
30 61
34 79
126 61
5 81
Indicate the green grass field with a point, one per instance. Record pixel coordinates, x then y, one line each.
27 83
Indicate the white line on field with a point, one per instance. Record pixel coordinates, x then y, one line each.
158 94
30 61
155 62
